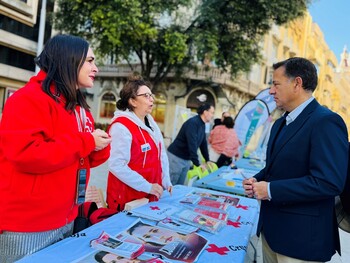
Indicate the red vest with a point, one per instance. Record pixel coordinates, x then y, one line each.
146 163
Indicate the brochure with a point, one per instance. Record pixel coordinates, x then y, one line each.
164 243
233 201
199 220
177 226
204 202
106 242
154 211
212 213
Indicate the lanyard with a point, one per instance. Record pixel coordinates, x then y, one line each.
81 119
82 172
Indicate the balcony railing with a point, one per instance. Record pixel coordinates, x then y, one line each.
202 73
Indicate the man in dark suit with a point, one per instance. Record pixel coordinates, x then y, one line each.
306 167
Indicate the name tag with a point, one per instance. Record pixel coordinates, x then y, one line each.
145 147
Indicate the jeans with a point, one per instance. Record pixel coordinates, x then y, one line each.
178 168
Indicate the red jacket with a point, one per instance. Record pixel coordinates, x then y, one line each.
40 152
146 163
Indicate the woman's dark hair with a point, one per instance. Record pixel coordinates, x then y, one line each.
62 58
228 122
203 107
99 256
137 225
129 91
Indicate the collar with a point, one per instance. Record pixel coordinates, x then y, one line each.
296 112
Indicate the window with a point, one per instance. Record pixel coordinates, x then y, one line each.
16 58
13 26
159 105
108 105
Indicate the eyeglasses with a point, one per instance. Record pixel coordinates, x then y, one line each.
147 95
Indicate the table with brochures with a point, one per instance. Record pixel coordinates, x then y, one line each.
229 180
250 164
229 244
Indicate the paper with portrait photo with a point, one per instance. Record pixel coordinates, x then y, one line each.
102 256
164 243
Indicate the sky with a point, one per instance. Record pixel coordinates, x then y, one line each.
333 17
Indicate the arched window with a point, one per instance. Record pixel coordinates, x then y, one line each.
198 97
108 105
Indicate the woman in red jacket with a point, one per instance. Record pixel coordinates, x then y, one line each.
47 141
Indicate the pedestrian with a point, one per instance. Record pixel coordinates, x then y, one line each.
47 141
138 164
182 152
306 167
219 121
224 143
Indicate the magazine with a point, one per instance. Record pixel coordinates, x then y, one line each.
104 256
177 226
108 243
199 220
164 243
154 211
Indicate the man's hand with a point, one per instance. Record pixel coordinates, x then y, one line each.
248 186
260 190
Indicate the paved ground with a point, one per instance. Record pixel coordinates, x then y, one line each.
98 179
345 246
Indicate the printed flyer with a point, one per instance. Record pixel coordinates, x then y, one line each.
164 243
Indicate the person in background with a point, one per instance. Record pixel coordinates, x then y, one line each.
47 141
306 167
223 143
138 164
184 148
219 121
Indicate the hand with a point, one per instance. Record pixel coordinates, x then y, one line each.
248 186
203 167
170 190
101 138
260 190
156 190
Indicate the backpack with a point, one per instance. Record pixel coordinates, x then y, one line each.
89 214
342 204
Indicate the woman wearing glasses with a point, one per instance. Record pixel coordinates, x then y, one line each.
138 164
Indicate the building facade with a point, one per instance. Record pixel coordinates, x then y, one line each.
301 37
19 29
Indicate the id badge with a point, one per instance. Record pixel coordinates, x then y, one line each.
81 181
145 147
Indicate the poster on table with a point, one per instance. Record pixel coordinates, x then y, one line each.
160 245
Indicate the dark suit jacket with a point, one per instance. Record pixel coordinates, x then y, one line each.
345 195
306 170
